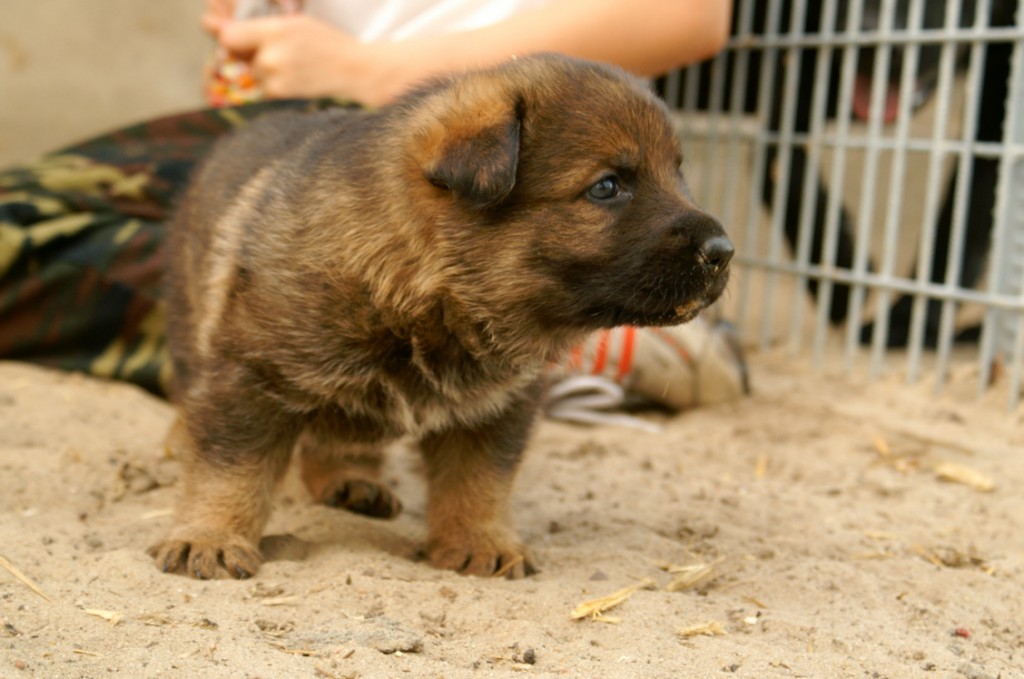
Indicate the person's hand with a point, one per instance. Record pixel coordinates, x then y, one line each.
300 57
217 14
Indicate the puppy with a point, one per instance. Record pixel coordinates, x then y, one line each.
340 279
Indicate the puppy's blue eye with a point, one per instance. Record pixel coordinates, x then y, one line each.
605 189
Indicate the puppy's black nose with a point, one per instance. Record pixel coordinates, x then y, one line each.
715 253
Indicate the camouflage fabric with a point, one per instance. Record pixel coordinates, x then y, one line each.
81 242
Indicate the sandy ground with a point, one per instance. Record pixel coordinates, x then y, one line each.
834 548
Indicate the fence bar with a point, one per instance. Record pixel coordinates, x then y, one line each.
1003 332
950 35
834 205
808 208
769 59
869 182
965 168
926 244
908 75
1001 302
782 169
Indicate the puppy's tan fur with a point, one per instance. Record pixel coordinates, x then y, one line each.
340 279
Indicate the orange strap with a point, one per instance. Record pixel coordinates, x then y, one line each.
601 353
626 357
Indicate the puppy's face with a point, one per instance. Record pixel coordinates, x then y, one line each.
584 219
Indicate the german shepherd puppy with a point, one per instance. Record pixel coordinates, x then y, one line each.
340 279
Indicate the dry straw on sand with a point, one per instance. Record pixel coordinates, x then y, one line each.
595 608
10 568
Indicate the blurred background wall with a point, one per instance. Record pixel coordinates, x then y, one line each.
71 69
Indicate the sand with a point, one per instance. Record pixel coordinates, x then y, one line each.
831 544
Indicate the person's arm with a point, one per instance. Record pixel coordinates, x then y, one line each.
297 56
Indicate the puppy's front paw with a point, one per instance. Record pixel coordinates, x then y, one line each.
484 555
362 497
205 554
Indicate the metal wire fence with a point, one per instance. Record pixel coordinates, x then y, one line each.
868 159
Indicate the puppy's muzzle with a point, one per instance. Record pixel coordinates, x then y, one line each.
705 242
714 255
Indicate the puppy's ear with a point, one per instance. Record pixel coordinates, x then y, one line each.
476 151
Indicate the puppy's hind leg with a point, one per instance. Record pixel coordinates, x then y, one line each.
344 474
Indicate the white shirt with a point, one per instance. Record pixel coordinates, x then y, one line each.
386 20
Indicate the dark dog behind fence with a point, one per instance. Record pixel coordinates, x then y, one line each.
766 33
